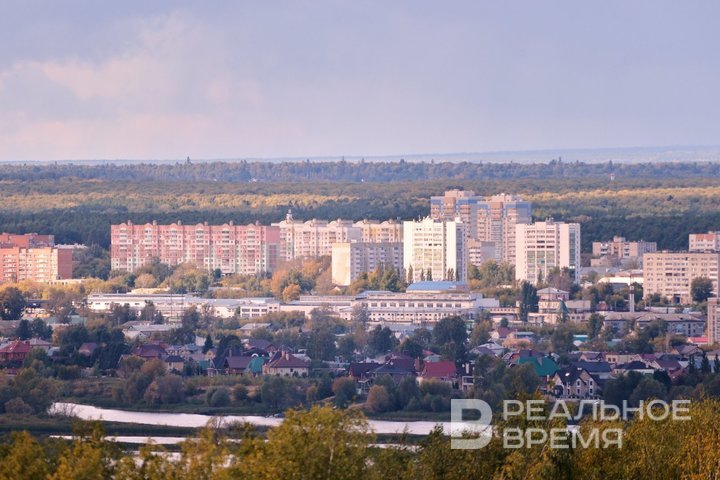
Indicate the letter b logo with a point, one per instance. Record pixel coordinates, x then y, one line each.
480 428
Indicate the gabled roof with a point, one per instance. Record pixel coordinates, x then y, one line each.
17 346
259 343
396 366
150 350
593 367
634 365
288 361
543 366
571 374
238 362
668 364
358 369
443 369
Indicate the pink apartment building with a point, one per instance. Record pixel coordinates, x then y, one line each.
33 257
241 249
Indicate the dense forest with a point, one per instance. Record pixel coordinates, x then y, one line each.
343 171
660 202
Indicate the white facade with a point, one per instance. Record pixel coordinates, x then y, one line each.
542 246
173 306
314 238
435 250
422 308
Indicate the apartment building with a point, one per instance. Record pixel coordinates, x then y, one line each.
462 204
435 249
27 240
542 246
313 238
671 273
351 259
488 219
619 247
704 242
233 249
34 257
498 217
373 231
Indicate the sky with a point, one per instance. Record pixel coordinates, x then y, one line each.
88 79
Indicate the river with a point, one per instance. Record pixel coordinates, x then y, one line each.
192 420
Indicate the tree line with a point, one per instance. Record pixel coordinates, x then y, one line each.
323 443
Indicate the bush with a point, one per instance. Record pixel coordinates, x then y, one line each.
18 407
218 397
378 400
240 393
344 390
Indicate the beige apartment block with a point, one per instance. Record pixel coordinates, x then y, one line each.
352 259
704 242
671 273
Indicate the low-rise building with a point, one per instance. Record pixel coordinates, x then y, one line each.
172 306
574 382
424 303
287 364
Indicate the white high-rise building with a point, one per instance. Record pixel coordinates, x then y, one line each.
488 219
435 249
542 246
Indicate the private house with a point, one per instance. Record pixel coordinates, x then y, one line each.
174 363
574 382
361 372
39 343
634 366
440 371
467 378
151 351
284 363
15 351
397 366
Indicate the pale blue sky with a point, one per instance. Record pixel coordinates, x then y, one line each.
226 79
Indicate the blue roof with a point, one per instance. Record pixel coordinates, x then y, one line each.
437 285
